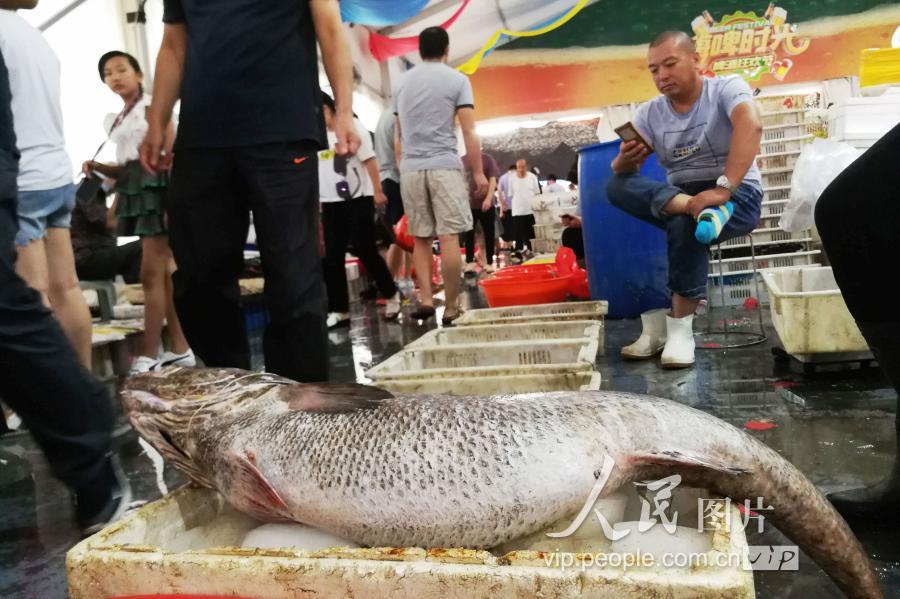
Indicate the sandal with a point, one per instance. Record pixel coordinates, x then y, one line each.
422 313
447 321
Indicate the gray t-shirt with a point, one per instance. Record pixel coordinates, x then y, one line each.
694 146
427 99
384 146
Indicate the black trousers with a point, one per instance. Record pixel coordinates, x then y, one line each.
211 194
573 237
524 226
487 225
351 223
394 210
509 229
858 217
105 263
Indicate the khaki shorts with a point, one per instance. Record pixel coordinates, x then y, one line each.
436 202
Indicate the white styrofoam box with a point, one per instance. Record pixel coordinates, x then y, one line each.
809 312
591 310
188 543
552 215
497 385
560 199
742 264
489 359
489 333
863 120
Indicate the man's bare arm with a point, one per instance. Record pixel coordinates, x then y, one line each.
747 131
473 147
166 91
326 16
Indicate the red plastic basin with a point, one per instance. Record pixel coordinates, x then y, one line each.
516 291
541 271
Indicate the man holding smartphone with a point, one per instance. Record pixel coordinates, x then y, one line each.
706 134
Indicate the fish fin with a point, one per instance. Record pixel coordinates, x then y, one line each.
333 399
257 496
673 458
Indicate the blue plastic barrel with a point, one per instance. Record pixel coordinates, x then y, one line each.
626 258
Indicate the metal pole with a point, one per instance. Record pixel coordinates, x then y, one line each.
60 14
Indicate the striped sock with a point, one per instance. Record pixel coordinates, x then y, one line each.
711 222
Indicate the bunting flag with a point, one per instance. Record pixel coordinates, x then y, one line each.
380 13
504 35
383 47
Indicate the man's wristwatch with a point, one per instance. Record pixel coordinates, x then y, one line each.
724 182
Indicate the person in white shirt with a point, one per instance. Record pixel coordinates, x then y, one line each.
139 208
46 194
349 190
553 186
524 186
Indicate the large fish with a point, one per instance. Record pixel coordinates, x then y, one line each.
441 471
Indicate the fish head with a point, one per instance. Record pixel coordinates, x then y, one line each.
168 407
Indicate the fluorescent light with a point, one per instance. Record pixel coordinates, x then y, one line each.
496 128
532 124
895 39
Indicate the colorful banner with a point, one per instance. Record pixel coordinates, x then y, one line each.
748 45
380 13
383 47
505 34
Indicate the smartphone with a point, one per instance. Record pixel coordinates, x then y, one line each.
629 132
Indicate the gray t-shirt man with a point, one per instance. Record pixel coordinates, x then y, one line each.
384 146
426 102
695 146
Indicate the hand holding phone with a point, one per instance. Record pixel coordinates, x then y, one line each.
628 132
633 152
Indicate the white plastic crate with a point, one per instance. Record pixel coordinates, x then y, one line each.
737 291
528 331
777 193
777 178
553 231
770 104
769 237
593 310
551 216
742 265
546 246
497 385
783 117
779 160
786 132
773 208
778 146
489 359
561 199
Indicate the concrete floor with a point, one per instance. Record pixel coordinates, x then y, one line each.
837 427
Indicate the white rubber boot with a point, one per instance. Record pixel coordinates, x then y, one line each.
652 339
679 351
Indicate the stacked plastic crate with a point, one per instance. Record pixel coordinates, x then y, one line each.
548 210
788 125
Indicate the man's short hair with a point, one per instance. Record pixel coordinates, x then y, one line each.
433 43
682 40
512 167
551 177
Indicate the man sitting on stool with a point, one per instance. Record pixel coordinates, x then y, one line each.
706 134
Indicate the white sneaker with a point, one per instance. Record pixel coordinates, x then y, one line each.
652 339
392 306
679 350
337 320
143 364
186 359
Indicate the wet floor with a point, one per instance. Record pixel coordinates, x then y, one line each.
836 426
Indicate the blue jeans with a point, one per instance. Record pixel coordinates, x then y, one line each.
645 199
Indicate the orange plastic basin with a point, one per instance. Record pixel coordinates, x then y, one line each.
526 291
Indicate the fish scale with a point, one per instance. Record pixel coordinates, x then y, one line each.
476 472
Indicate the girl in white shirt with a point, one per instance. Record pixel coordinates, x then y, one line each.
139 207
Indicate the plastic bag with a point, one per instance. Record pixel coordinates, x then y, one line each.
818 165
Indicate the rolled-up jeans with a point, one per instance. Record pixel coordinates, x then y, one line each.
645 198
